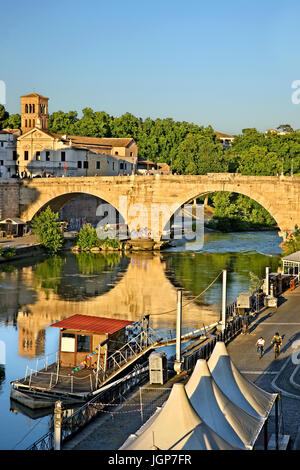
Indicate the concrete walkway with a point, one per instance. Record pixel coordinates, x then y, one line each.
109 431
281 375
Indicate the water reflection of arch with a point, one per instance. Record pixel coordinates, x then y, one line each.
142 288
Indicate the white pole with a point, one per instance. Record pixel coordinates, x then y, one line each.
224 291
267 281
177 364
57 424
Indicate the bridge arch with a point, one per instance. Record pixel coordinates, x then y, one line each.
59 201
195 194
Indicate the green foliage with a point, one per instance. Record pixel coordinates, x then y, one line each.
257 153
293 244
8 252
4 115
199 154
87 237
236 212
47 228
47 275
14 121
96 263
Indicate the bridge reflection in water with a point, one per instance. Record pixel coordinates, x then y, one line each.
93 284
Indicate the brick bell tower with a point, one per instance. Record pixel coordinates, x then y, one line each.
34 112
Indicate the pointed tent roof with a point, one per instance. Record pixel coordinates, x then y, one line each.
176 426
218 411
238 389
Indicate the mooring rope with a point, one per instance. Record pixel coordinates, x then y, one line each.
190 301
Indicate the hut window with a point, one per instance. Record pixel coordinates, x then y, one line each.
67 342
83 343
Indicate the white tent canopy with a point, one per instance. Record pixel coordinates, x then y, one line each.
219 412
236 387
176 426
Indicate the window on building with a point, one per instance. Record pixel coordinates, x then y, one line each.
67 342
25 122
33 122
15 155
25 154
26 108
131 154
98 165
79 164
116 153
47 156
29 123
121 166
83 343
33 108
38 156
85 164
63 156
1 162
2 144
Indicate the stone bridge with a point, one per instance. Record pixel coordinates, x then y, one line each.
140 196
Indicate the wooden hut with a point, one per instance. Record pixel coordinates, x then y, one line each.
80 335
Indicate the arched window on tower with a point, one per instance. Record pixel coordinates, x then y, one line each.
26 108
33 108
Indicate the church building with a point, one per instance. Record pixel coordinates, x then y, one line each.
43 153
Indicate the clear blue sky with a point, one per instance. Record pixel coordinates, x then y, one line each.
225 63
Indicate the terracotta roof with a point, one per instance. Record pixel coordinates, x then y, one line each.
10 131
34 95
94 324
220 134
104 142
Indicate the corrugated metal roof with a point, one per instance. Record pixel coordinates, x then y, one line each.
94 324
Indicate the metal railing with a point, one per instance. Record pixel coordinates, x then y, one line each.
77 420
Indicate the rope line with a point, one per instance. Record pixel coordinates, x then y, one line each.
190 301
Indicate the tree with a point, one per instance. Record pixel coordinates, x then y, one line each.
4 115
87 237
14 121
47 228
200 154
285 128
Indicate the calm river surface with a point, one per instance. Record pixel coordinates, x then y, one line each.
38 292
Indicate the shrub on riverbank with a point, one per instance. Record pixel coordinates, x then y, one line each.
292 244
47 228
89 240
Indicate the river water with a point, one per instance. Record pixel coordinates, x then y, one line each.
38 292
